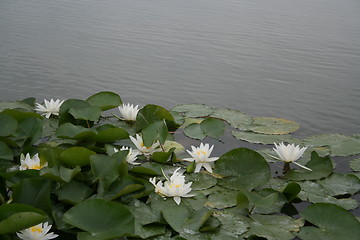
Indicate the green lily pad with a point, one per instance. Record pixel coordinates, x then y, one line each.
234 223
193 110
244 168
268 125
8 124
264 138
15 105
201 181
320 166
235 118
333 223
15 217
213 127
70 131
222 199
73 192
76 156
152 113
273 227
341 184
116 220
194 131
315 193
355 164
5 152
105 100
340 145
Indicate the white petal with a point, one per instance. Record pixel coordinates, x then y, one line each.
177 199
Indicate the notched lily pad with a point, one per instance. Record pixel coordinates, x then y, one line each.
339 144
355 164
193 110
235 118
252 137
268 125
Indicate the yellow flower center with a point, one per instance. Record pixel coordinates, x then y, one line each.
176 185
36 167
36 229
201 152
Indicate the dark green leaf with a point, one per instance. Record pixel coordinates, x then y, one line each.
76 156
8 124
156 131
5 152
152 113
213 127
91 113
193 110
194 131
105 100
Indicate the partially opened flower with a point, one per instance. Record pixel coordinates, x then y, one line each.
129 112
201 157
37 232
51 107
132 155
147 151
174 187
289 153
30 162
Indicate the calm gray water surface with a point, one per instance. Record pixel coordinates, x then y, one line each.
283 58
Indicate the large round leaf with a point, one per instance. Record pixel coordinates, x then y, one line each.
263 138
109 133
355 164
235 118
243 168
15 217
320 166
99 217
76 156
91 113
70 131
213 127
340 145
341 184
333 223
8 124
5 152
105 100
152 113
194 131
268 125
193 110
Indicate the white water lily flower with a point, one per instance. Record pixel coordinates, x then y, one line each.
174 187
37 232
147 151
201 157
51 107
289 153
132 155
30 162
129 112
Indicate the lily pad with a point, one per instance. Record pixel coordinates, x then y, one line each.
235 118
194 131
264 138
243 168
355 164
201 181
274 227
340 145
105 100
341 184
234 223
213 127
222 199
193 110
268 125
333 223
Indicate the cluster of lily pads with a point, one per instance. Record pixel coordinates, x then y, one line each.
98 169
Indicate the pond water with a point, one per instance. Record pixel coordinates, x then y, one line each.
298 60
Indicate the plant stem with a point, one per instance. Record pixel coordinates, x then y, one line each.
286 167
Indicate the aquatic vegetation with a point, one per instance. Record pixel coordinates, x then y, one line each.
135 174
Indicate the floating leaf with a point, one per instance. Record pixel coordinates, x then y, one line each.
15 217
156 131
244 168
70 131
314 192
235 118
194 131
320 166
340 145
333 223
274 227
116 220
201 181
15 105
355 164
108 133
263 138
73 192
269 125
213 127
5 152
152 113
8 124
76 156
91 113
222 199
193 110
341 184
172 144
234 223
105 100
